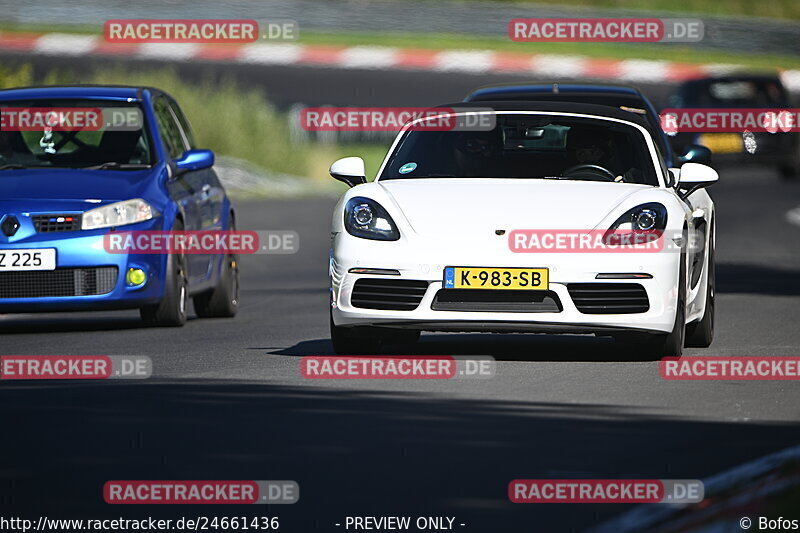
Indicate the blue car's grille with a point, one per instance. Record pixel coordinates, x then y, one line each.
58 282
52 223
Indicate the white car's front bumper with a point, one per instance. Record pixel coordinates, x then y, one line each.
428 265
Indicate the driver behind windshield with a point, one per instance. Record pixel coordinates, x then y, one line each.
528 147
591 153
478 153
126 144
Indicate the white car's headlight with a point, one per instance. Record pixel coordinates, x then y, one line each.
647 219
118 214
366 218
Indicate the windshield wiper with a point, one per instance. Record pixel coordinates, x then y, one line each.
10 166
115 165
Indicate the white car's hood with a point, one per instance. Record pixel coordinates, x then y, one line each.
452 205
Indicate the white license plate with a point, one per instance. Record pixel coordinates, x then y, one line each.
40 259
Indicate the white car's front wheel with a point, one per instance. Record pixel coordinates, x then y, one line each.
671 344
701 333
353 341
665 344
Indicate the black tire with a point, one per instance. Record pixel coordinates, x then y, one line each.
354 341
223 300
700 334
671 344
171 310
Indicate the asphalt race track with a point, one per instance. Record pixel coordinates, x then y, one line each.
227 400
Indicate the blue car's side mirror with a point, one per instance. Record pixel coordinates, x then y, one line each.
195 160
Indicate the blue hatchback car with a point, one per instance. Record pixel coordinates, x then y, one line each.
61 192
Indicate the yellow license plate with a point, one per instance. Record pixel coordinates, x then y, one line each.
496 278
723 143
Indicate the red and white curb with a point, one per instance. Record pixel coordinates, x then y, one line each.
379 58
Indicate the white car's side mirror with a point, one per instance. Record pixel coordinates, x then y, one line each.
694 176
350 170
674 177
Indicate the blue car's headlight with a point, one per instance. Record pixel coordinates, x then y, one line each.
118 214
367 219
650 218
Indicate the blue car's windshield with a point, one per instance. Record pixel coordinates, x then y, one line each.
73 134
527 146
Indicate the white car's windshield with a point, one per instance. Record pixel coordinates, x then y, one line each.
527 146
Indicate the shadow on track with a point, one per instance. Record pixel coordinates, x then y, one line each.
756 279
64 323
22 324
506 347
353 452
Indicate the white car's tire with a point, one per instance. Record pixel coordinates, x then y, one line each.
700 334
666 344
671 344
353 341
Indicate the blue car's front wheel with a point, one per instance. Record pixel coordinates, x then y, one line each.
171 311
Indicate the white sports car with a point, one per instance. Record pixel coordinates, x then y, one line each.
511 229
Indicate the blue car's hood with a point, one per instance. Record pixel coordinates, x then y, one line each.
71 186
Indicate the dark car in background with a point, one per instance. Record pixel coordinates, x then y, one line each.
739 91
623 97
